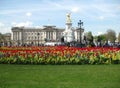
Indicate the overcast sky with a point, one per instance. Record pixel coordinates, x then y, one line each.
97 15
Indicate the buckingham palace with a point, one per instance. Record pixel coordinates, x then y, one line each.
35 36
48 33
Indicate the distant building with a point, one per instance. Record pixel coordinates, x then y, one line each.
36 36
5 39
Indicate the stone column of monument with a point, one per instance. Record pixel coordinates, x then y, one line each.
68 33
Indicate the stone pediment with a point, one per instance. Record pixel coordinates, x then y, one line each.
50 28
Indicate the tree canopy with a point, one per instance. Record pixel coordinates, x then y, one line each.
111 35
119 37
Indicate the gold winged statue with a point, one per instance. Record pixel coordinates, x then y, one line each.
68 18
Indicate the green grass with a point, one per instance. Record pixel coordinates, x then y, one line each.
59 76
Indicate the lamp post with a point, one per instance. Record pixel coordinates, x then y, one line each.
80 23
38 38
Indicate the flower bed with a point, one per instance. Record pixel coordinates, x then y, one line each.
59 55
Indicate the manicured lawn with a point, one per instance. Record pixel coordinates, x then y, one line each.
59 76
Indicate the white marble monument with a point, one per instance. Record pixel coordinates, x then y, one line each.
68 33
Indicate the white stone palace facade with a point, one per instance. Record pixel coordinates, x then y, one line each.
35 36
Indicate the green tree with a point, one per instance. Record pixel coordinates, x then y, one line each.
111 35
102 37
119 37
2 38
89 38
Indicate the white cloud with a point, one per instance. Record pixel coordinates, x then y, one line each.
39 27
4 28
10 11
1 24
75 9
28 14
99 33
101 17
13 23
26 24
106 9
70 6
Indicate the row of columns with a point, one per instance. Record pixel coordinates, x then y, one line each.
17 36
51 35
